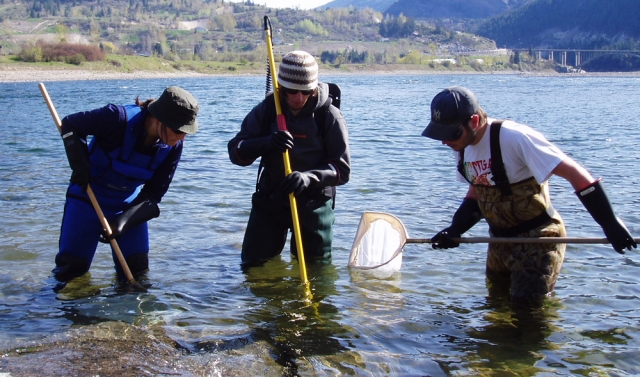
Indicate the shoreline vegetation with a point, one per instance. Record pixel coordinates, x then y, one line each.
134 68
137 67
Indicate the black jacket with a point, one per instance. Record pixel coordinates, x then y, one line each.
322 150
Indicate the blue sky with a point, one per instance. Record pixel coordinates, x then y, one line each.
301 4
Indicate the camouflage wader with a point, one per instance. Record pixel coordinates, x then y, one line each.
531 269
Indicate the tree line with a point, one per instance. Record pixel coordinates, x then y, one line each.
397 27
594 24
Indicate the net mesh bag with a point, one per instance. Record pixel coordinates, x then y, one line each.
378 242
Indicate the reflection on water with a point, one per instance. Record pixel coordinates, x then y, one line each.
203 316
513 339
293 325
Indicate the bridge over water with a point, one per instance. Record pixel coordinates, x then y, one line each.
575 58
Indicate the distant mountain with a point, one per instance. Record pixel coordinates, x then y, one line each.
586 24
436 9
433 9
379 5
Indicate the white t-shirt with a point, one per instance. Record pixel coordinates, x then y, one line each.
526 153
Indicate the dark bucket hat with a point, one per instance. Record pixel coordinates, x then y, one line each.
449 109
177 109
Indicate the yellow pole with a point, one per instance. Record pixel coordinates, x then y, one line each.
282 125
94 200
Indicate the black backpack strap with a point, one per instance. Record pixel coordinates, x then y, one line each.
270 117
497 164
320 115
335 94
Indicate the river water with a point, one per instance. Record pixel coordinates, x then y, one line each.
433 318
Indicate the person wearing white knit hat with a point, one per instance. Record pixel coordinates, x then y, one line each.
298 77
299 71
317 140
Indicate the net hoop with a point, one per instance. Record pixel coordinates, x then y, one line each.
378 242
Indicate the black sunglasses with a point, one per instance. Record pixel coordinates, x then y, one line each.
458 133
295 91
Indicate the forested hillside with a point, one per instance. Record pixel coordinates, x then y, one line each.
220 31
569 24
460 9
217 30
379 5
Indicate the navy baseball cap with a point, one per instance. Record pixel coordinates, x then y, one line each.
449 109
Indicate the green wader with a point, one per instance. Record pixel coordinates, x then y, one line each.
531 269
270 222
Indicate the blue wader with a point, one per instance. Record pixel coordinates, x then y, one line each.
116 180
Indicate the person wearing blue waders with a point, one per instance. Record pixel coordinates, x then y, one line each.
129 163
317 140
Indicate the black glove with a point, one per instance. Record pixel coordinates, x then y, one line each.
595 200
443 240
251 149
467 215
141 210
296 182
78 156
281 140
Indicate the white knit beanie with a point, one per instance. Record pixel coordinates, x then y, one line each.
298 70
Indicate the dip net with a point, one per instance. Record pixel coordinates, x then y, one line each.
378 243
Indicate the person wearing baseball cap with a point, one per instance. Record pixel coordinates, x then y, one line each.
130 163
506 166
318 145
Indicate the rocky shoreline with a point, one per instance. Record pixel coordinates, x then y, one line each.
49 75
37 74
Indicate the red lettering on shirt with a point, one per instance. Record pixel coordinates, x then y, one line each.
480 166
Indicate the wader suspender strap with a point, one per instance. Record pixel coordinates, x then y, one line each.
461 166
502 182
497 164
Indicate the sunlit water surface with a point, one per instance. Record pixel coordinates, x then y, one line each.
433 318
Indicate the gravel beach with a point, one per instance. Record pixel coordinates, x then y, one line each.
38 74
43 75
